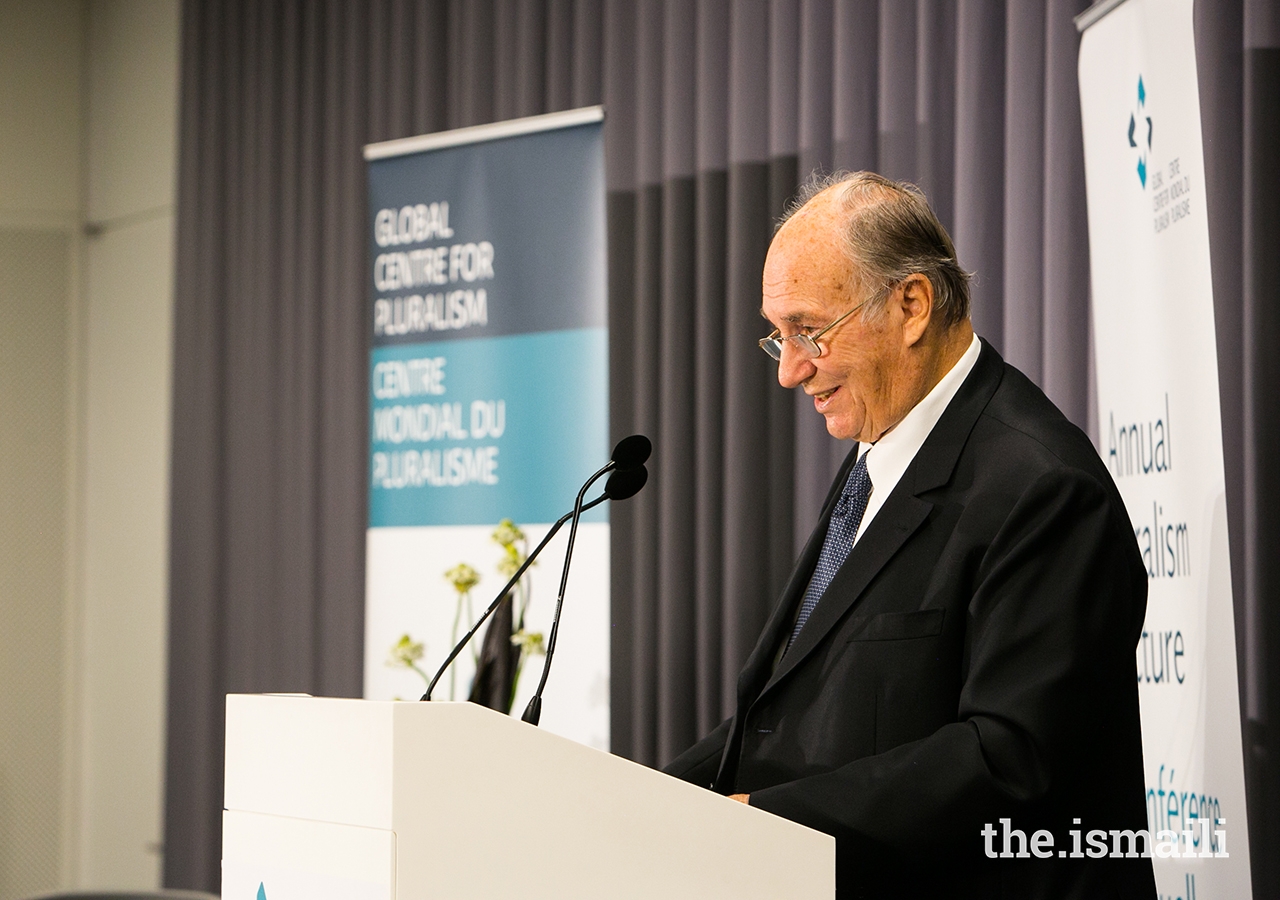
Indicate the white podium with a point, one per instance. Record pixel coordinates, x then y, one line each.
374 800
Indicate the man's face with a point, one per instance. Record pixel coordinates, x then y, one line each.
809 283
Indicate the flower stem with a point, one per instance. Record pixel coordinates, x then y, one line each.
453 642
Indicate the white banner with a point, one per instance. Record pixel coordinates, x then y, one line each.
1160 428
488 395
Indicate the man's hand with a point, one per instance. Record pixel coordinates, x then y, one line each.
741 798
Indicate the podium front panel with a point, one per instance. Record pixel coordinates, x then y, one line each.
461 802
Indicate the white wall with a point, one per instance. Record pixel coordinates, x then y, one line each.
131 152
41 57
88 94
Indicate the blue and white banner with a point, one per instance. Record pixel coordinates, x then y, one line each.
488 402
1160 428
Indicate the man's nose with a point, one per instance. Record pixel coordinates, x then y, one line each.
794 369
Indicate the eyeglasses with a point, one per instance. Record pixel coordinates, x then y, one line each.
805 344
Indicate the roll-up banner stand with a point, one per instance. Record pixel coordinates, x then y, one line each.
488 402
1160 428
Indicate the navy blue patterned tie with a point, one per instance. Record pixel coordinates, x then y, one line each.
845 519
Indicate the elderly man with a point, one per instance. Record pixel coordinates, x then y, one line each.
947 683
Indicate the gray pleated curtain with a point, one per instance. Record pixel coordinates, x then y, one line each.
714 111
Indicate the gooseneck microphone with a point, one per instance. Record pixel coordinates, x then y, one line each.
629 454
629 476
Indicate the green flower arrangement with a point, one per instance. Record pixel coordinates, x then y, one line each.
520 642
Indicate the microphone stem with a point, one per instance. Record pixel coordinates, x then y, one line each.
534 711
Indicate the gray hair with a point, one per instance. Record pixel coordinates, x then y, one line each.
892 233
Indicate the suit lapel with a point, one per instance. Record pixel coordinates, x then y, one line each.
756 671
899 517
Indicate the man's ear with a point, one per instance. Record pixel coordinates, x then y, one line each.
916 300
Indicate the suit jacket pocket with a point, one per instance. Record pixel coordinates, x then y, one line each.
896 626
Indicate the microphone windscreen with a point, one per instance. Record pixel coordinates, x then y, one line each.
631 452
626 483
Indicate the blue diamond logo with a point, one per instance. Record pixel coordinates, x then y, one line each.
1136 118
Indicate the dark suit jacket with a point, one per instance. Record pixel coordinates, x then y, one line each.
972 660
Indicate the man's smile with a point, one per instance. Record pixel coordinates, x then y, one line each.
821 398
